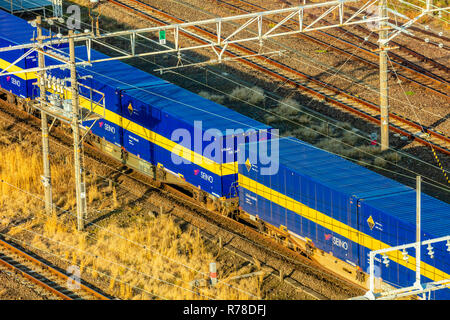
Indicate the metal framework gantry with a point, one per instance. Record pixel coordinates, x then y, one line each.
387 32
218 45
222 39
79 177
417 287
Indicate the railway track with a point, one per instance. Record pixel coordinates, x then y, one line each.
310 86
39 272
417 75
245 242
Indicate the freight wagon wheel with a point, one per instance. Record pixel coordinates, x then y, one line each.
21 106
234 215
261 227
209 204
360 276
298 249
160 175
10 98
309 250
157 183
226 212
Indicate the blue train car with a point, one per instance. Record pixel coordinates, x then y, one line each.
332 202
187 135
391 219
184 134
16 31
24 5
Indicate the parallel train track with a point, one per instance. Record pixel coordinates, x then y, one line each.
417 75
40 273
309 85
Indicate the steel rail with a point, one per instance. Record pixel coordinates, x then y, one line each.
34 279
22 254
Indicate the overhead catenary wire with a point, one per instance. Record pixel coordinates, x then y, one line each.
224 77
175 196
301 61
289 120
121 187
304 58
238 235
428 14
422 128
305 126
133 192
109 261
241 123
439 34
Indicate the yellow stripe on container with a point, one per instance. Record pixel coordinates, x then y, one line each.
337 227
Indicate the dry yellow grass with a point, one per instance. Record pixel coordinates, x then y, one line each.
167 265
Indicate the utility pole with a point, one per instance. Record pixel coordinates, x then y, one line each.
384 98
418 209
79 184
46 178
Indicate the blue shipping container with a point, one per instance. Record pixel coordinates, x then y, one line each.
152 119
322 197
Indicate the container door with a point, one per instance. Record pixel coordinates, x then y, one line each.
356 211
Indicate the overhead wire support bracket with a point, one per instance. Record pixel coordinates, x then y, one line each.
221 40
410 22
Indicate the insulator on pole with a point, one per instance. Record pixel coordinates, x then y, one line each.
386 260
405 255
57 8
430 251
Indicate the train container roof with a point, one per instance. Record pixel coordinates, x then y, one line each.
16 30
165 96
387 195
23 5
333 171
435 214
